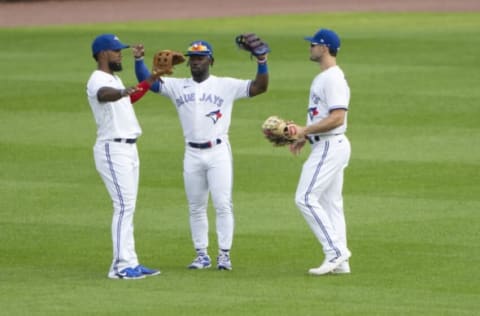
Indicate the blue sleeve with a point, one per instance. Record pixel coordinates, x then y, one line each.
142 73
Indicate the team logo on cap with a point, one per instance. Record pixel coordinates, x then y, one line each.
215 116
198 47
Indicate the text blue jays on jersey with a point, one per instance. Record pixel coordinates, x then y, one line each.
205 98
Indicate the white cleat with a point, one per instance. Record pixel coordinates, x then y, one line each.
329 265
343 268
224 262
201 262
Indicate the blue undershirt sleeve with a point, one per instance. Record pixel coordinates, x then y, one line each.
142 73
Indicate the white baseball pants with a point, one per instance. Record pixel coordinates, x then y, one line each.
319 193
118 166
209 171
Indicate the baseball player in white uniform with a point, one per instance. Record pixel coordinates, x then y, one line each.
115 150
319 191
204 104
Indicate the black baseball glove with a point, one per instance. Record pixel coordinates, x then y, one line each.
253 44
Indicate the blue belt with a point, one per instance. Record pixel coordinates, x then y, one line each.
204 145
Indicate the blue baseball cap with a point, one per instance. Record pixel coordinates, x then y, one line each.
200 48
325 37
107 42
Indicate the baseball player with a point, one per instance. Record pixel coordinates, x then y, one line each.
319 190
115 150
204 104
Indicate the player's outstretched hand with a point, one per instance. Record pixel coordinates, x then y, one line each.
130 91
138 51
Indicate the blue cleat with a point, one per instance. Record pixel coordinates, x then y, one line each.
127 274
146 271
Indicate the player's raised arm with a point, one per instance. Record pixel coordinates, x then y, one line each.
260 84
141 70
258 48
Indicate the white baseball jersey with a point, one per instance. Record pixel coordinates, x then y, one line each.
319 191
117 164
205 108
114 119
205 111
329 91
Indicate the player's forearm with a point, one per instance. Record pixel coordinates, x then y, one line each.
109 94
143 74
334 120
260 84
141 89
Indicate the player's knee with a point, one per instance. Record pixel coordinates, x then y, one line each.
197 211
223 206
124 206
300 200
224 210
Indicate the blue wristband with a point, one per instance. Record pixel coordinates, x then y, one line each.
262 68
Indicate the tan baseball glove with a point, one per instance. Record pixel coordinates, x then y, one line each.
165 60
278 131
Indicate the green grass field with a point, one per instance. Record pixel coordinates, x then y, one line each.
412 193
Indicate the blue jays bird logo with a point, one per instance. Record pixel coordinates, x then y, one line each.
214 115
312 112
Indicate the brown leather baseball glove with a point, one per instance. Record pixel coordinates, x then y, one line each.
165 60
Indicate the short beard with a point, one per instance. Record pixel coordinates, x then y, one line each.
115 66
317 59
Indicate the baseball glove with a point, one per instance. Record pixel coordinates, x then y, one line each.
165 60
278 131
253 44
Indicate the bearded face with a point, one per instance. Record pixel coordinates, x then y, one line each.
115 66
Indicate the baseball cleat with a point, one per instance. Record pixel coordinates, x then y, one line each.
146 271
127 274
223 262
330 264
201 262
343 268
